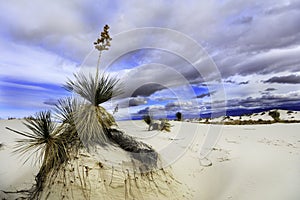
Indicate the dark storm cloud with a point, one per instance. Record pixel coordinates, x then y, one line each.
205 95
243 83
137 101
270 89
237 83
265 101
244 20
51 102
147 90
291 79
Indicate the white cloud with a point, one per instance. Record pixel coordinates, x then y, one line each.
34 64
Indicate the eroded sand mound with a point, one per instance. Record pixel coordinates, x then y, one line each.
86 178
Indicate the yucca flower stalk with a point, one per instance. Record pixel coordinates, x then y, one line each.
102 43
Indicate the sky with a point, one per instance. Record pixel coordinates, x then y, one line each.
195 57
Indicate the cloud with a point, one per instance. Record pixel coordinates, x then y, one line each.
137 101
291 79
205 95
51 102
147 89
47 41
270 89
243 83
265 101
237 83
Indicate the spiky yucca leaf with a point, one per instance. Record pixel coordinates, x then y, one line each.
94 89
92 123
66 108
65 111
44 140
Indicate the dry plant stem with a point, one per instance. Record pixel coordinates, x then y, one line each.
97 69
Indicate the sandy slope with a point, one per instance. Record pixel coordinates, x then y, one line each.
248 162
284 115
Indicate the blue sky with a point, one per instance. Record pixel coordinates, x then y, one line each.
249 55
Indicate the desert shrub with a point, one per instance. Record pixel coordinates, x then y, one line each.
147 119
165 125
275 115
29 117
46 140
11 118
263 113
289 112
179 116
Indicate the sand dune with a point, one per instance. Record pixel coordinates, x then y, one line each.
248 162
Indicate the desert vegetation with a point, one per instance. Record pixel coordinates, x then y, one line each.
83 125
179 116
275 115
161 124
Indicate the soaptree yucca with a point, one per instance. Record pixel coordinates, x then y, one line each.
91 119
47 142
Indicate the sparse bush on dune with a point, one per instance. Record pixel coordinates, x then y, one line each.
275 115
147 119
165 125
161 124
29 117
179 116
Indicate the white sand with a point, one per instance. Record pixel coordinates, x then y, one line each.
248 162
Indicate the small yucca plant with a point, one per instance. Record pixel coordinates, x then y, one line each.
165 125
91 119
147 119
47 142
44 139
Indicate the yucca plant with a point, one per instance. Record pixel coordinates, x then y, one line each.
65 110
47 142
93 123
91 119
165 125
